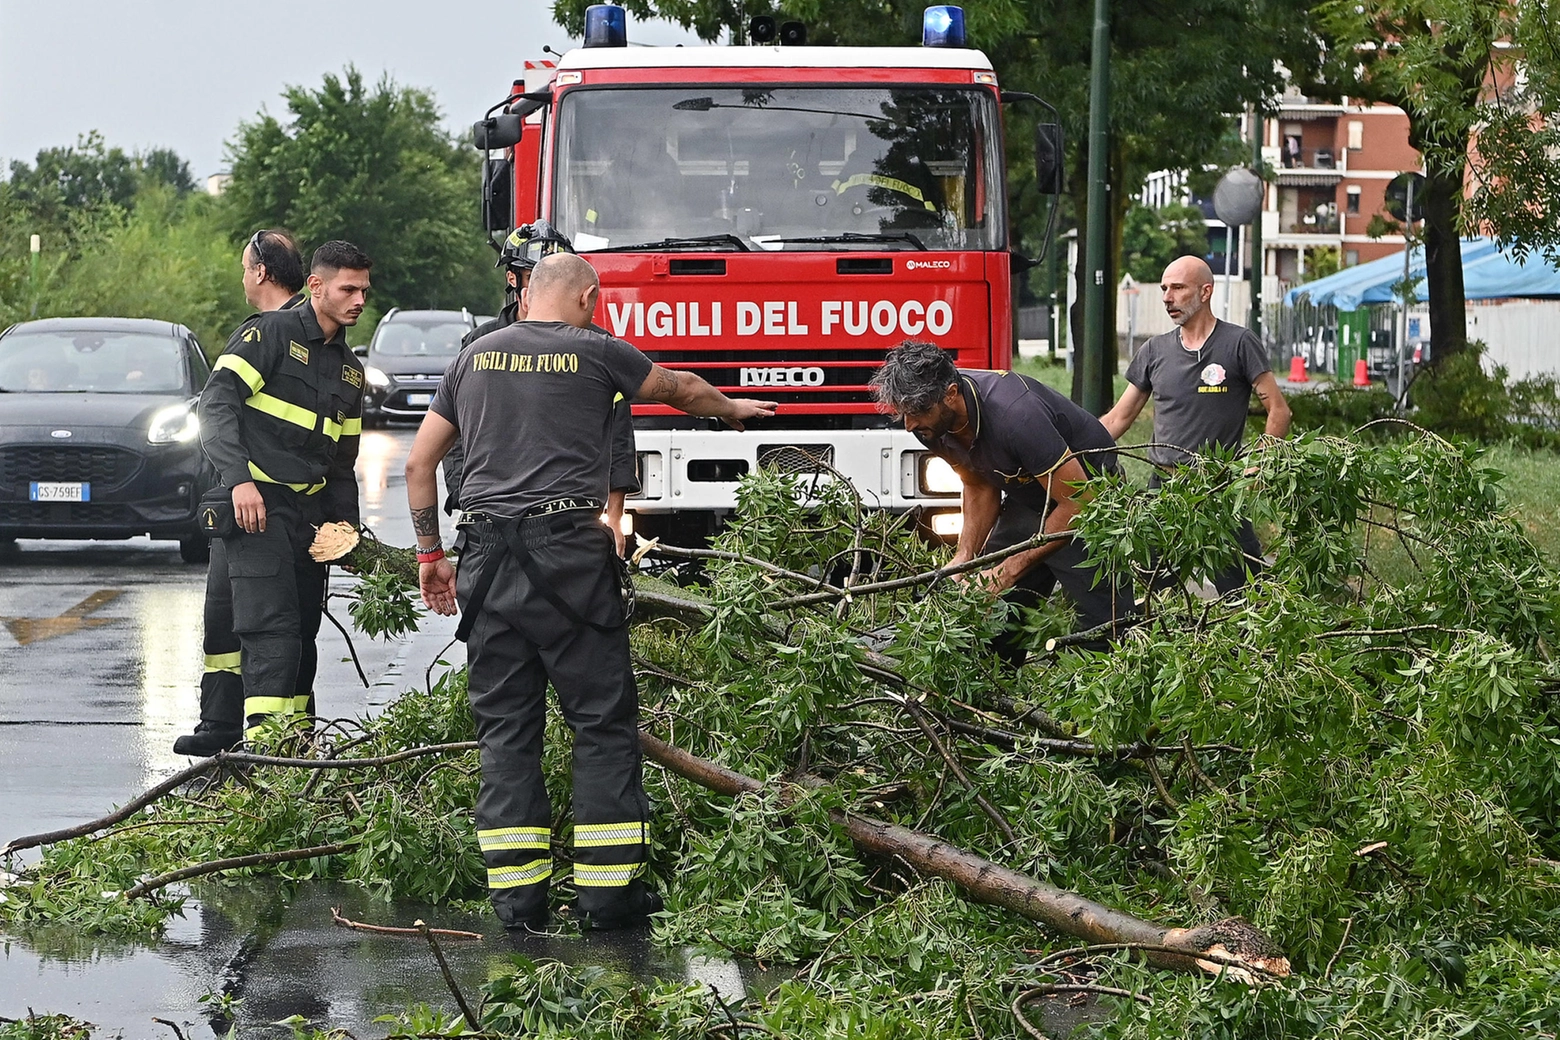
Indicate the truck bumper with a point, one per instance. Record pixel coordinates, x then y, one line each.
698 470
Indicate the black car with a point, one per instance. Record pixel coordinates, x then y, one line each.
98 432
407 357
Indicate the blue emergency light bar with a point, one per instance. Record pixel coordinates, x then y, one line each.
942 26
606 25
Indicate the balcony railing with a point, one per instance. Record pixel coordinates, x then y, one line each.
1308 159
1312 225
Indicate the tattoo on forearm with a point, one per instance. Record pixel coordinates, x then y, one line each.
426 521
665 384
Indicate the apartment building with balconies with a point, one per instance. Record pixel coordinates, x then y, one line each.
1331 166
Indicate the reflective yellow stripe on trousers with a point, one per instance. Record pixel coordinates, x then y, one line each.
601 835
531 873
500 839
225 662
606 875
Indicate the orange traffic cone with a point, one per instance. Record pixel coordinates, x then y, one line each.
1361 373
1297 370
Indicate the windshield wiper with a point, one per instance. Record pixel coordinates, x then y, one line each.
680 243
857 236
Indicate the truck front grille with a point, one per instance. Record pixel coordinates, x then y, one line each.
791 375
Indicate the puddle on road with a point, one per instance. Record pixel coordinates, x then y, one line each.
278 950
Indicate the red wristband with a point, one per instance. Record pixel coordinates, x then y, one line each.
431 556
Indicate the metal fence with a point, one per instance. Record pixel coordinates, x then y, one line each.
1330 340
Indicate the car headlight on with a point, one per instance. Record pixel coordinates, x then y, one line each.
938 477
176 424
376 378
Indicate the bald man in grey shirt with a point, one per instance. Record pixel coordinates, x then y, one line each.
1201 377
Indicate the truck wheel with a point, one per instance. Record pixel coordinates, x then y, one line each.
195 549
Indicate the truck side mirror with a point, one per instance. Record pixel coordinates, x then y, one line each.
498 195
495 132
1049 166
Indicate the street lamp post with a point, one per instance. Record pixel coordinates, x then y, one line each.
1096 260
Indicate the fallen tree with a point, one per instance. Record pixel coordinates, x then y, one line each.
1357 754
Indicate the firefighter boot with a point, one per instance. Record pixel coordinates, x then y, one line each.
207 740
628 907
523 909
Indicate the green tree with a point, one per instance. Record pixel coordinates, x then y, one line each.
122 234
1480 82
1177 73
1151 238
374 167
90 174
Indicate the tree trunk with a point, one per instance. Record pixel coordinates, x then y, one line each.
1446 162
1443 261
1232 942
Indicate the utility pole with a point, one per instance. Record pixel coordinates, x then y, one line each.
36 245
1096 261
1255 235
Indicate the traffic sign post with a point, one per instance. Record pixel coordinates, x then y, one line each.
1404 195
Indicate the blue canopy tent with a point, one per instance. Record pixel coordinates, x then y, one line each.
1488 273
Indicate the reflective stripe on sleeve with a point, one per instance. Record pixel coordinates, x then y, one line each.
600 835
502 838
226 662
335 431
283 411
300 704
307 489
243 369
608 875
526 874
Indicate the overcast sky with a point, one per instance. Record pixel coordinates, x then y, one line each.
183 75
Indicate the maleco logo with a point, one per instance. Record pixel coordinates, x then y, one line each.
780 377
928 265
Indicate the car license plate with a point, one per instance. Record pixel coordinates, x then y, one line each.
46 491
422 399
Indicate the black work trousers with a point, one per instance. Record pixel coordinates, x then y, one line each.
519 640
1096 604
222 681
276 598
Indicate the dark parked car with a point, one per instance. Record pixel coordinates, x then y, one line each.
98 432
406 359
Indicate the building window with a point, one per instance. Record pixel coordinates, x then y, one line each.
1353 201
1356 135
1351 257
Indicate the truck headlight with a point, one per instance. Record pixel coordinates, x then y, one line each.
176 424
938 477
376 378
947 525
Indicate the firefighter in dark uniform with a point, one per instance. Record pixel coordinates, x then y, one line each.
524 247
540 590
281 418
273 280
1023 452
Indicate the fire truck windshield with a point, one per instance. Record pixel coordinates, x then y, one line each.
779 168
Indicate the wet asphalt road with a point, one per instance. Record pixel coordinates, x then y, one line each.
100 657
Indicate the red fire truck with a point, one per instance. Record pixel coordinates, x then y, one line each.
774 218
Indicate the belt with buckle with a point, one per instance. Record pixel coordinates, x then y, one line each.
473 518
